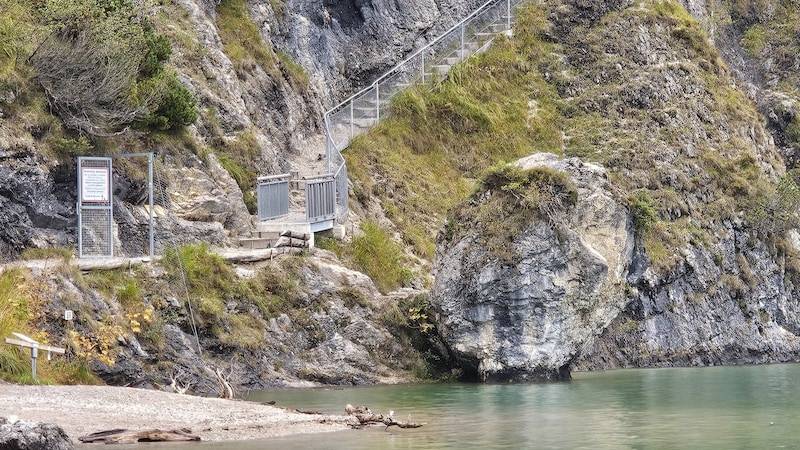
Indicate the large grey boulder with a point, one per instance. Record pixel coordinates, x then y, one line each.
528 318
33 436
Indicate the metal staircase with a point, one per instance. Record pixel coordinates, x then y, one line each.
306 201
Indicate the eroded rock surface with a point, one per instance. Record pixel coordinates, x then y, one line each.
17 435
526 319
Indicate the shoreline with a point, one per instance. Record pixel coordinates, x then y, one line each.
81 410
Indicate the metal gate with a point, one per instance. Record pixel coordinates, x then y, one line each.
320 200
95 208
273 196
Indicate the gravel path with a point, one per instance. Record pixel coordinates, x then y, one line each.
81 410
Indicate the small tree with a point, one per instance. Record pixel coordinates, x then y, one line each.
101 67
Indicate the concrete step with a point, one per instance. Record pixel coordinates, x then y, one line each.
365 122
273 235
440 69
499 27
256 243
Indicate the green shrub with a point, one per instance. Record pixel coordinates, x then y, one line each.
14 316
175 106
242 41
643 209
352 298
793 132
539 190
207 274
245 179
16 25
330 244
62 253
378 256
158 50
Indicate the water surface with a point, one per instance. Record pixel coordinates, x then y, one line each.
744 407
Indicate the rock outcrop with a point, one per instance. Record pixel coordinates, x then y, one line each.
732 303
18 435
528 318
707 284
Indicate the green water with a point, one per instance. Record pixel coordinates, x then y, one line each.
746 407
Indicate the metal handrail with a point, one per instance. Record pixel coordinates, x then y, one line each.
363 114
419 52
332 148
278 177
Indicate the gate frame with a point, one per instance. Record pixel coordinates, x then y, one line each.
320 198
110 207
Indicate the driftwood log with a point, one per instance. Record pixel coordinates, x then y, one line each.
123 436
366 417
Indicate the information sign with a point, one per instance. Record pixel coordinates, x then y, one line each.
95 184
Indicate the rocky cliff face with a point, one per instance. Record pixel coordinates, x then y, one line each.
704 284
528 318
259 113
246 109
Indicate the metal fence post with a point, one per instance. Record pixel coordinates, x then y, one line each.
150 200
352 119
377 103
508 15
462 42
422 58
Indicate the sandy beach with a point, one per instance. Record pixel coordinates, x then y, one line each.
81 410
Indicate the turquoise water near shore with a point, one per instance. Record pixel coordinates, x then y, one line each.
742 407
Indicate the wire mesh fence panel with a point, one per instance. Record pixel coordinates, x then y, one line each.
342 194
97 232
95 208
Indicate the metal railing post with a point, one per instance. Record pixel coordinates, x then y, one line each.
150 200
352 120
462 43
377 103
329 139
422 72
508 15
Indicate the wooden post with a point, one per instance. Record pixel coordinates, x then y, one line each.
27 342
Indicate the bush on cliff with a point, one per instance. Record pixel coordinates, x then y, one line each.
101 66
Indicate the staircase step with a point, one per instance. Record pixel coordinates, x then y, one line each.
441 69
366 109
273 235
365 122
255 243
499 27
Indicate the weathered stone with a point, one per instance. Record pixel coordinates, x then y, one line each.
33 436
527 319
